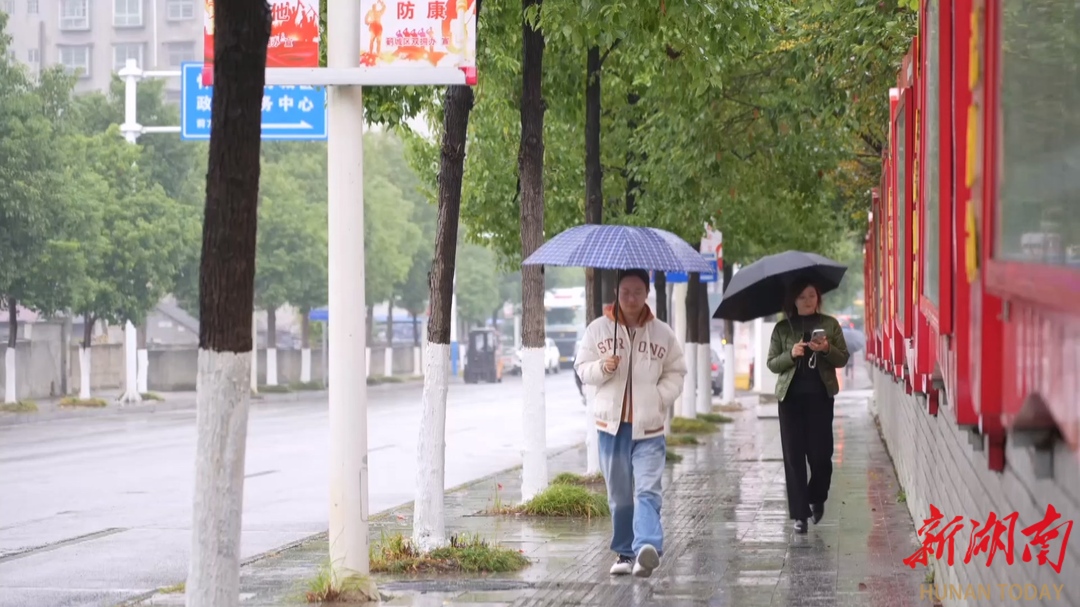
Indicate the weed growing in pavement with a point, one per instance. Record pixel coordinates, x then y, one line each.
673 458
275 389
465 553
566 500
152 396
682 440
685 425
569 478
714 418
74 401
174 589
22 406
328 587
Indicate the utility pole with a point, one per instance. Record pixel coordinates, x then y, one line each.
348 348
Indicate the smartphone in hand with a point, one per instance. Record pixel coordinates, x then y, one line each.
817 336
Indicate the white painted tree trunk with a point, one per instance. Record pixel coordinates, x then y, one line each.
678 310
271 367
689 402
759 364
144 370
418 361
84 373
254 353
429 518
729 373
131 365
388 361
534 476
367 362
704 378
222 400
305 365
10 395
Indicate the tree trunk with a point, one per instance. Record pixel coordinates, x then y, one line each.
370 324
84 356
226 290
689 395
534 476
704 378
729 347
390 323
142 363
10 394
305 345
271 346
429 519
415 329
594 176
65 353
660 283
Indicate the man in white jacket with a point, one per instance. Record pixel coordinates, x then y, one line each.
636 375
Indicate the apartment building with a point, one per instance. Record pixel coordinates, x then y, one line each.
94 38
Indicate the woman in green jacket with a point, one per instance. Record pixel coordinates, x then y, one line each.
805 351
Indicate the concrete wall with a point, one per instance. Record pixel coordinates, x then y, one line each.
936 465
38 369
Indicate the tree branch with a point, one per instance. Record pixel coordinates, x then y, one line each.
613 46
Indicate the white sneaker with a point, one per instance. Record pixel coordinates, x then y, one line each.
622 566
647 560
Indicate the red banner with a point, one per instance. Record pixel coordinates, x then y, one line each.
294 37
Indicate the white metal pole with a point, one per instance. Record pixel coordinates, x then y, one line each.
254 352
130 129
348 390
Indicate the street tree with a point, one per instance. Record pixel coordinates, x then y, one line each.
132 237
479 295
39 256
226 292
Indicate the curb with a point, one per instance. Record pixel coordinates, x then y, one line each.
378 516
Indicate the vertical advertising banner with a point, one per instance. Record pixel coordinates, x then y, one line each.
294 36
418 34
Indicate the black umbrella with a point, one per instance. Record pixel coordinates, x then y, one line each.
759 289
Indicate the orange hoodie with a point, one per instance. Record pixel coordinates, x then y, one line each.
645 316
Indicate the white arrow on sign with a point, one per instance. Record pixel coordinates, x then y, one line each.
295 125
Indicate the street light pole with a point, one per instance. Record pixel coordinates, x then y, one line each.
131 129
348 390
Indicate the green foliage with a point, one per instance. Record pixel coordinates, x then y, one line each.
391 239
478 285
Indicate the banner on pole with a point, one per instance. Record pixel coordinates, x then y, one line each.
294 36
419 34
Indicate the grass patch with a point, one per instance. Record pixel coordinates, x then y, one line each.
174 589
682 440
327 587
566 500
714 418
729 408
74 401
306 386
274 389
152 396
376 380
672 458
569 478
684 425
466 553
901 497
22 406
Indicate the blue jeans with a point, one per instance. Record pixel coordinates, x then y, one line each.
633 471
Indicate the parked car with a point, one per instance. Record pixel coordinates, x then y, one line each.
717 373
551 358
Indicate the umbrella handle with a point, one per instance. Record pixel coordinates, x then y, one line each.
615 340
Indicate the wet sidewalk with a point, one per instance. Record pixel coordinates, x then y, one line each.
728 537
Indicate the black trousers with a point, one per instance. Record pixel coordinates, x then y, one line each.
806 434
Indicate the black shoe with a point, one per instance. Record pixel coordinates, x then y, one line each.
818 510
800 526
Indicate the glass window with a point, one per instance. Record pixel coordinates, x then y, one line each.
180 52
901 213
32 7
76 60
127 13
123 52
74 14
180 10
932 169
1038 214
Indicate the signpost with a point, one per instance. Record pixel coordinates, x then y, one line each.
706 277
289 112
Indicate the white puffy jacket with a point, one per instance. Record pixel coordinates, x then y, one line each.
658 371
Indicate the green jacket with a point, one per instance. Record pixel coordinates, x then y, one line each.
781 362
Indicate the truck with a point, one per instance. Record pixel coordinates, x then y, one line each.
564 321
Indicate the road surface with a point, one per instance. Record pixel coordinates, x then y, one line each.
94 511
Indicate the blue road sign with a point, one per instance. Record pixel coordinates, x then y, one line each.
679 277
288 112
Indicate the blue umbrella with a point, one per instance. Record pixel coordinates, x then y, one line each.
612 247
